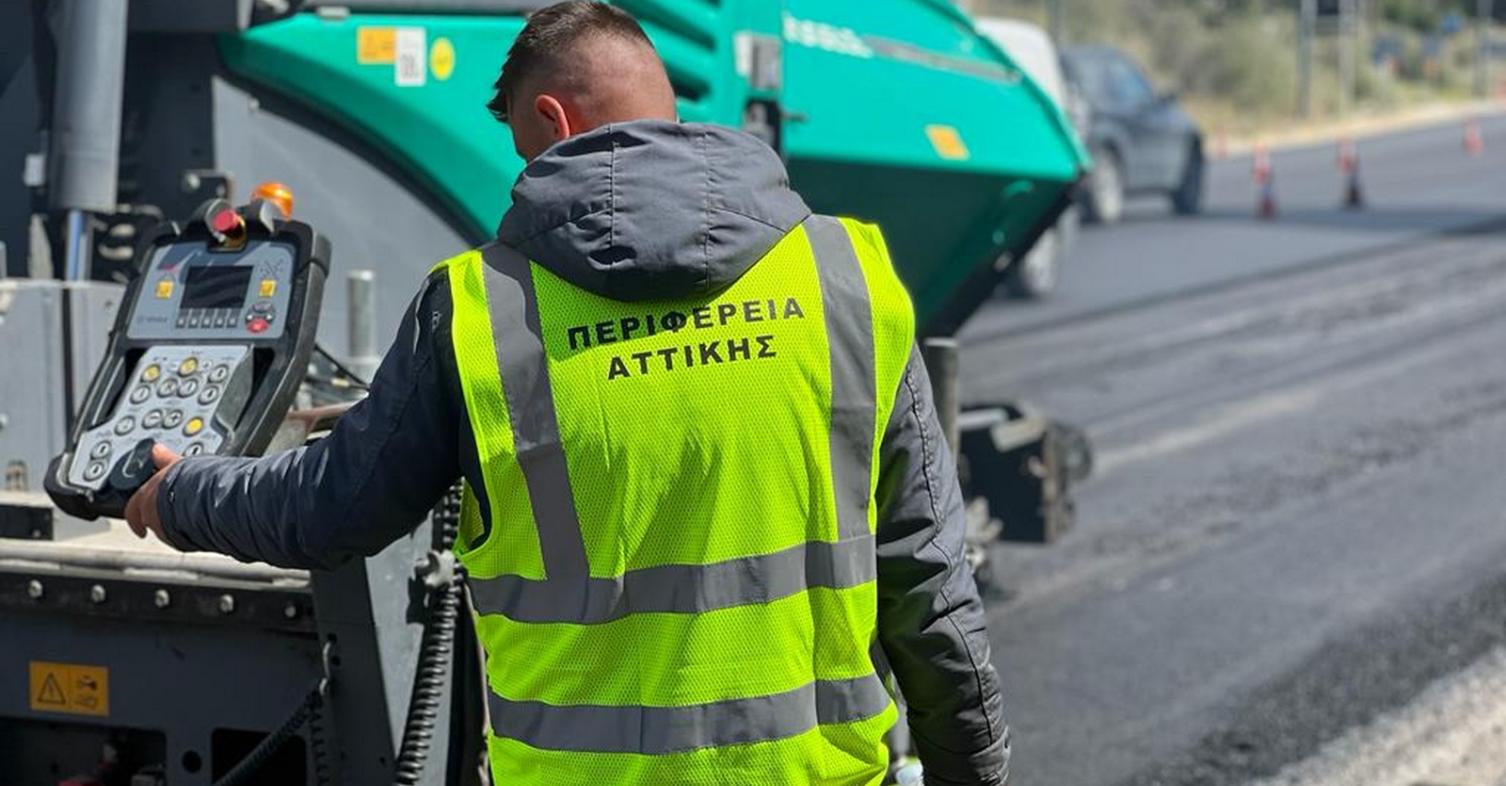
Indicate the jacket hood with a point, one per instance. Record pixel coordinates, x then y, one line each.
652 209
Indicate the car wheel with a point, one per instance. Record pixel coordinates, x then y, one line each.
1035 275
1038 274
1187 199
1105 193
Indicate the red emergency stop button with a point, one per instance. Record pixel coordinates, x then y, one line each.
229 228
226 221
257 324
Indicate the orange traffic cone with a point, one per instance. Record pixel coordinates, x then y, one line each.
1265 180
1349 166
1474 139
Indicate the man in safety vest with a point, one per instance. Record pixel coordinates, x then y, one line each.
708 502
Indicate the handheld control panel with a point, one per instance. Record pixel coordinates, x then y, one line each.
210 345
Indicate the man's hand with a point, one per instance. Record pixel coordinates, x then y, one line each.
141 509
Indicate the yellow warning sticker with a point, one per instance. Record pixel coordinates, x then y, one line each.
376 45
442 58
70 688
948 143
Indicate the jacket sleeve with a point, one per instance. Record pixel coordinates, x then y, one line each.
371 481
930 618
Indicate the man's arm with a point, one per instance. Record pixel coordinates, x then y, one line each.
370 482
930 621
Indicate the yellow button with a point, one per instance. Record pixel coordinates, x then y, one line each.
193 426
164 289
150 373
268 287
188 366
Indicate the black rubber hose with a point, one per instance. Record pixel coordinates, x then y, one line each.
273 742
435 654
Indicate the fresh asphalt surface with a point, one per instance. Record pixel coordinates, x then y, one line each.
1298 519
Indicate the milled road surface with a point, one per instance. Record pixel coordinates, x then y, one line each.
1295 541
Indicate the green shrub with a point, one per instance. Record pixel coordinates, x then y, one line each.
1235 61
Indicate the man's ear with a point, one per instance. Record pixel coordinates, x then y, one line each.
553 113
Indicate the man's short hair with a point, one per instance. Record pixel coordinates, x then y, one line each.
546 43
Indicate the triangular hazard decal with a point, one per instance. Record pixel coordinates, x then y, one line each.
52 693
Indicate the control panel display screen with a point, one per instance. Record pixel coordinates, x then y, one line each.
190 291
218 286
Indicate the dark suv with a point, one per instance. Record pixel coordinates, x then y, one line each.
1141 140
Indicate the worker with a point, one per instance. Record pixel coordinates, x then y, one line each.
708 504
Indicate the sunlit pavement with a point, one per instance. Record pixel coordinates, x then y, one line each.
1298 527
1417 183
1453 734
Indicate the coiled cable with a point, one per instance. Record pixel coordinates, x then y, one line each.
445 579
324 773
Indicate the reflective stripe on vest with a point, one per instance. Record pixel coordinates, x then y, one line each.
765 608
661 730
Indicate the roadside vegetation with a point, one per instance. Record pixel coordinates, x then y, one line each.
1234 63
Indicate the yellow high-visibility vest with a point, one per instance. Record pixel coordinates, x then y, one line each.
675 578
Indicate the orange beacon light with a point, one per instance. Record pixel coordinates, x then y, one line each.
276 193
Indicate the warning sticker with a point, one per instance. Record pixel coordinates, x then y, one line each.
70 688
376 45
412 67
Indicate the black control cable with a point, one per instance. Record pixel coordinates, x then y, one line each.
350 377
328 381
311 706
444 578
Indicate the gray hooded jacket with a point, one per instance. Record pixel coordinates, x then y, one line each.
632 211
